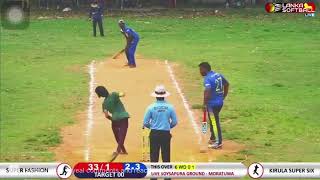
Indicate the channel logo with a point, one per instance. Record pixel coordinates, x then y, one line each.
306 7
15 14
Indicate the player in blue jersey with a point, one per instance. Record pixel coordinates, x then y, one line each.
96 15
132 41
216 90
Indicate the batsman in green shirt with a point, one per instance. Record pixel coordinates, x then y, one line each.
114 110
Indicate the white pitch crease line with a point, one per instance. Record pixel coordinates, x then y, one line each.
184 100
91 71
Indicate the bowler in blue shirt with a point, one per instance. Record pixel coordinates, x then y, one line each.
160 117
216 90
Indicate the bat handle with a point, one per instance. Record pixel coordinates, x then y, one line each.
205 116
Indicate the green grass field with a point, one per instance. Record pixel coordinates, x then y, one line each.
271 61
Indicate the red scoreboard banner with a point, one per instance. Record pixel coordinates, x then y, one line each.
110 170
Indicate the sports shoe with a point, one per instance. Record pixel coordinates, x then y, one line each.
215 146
211 142
114 156
123 153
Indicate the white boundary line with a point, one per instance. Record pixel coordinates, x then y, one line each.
91 71
184 100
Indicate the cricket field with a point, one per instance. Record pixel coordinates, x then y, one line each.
272 62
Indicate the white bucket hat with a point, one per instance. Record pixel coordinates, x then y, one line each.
160 91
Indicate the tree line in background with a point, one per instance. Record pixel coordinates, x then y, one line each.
121 4
60 4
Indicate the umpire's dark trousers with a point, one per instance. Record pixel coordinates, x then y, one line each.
160 140
98 22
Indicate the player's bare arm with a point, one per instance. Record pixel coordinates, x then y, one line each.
206 97
122 94
225 90
107 115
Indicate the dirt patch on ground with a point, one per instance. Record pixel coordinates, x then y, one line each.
74 68
137 83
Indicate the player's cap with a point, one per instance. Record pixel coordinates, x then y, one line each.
121 21
160 91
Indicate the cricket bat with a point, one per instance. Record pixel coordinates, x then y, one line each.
204 129
204 124
117 54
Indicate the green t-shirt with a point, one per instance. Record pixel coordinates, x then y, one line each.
114 105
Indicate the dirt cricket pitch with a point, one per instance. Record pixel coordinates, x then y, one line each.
98 144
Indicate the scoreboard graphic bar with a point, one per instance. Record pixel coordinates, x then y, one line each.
196 170
110 170
28 170
160 170
176 170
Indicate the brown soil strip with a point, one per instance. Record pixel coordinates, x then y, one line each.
137 83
